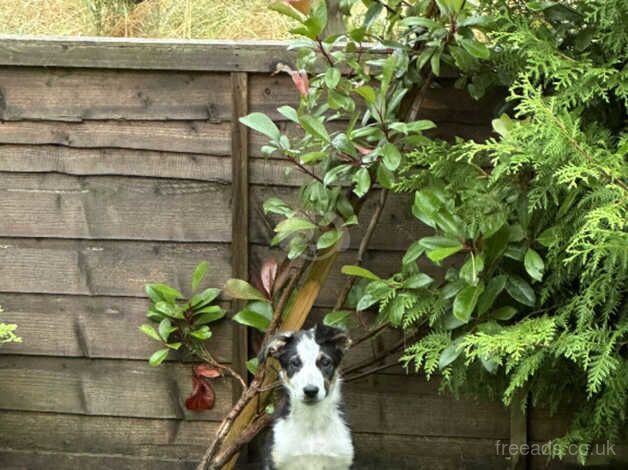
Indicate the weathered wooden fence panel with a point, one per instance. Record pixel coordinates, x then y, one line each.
121 163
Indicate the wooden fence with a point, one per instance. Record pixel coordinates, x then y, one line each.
121 163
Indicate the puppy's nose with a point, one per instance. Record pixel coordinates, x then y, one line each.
310 391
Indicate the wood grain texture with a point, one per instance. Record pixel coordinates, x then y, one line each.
104 387
27 460
240 213
53 205
53 94
197 137
144 54
105 267
91 327
140 437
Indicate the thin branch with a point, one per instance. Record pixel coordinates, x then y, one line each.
244 438
370 371
370 334
364 243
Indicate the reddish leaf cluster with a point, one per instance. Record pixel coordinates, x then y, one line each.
202 396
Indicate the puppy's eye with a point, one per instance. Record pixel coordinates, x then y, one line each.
325 362
295 362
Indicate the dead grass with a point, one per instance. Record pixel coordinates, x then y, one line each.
187 19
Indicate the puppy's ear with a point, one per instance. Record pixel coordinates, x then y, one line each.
330 335
275 345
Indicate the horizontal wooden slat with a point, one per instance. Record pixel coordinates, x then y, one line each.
81 94
105 434
145 54
173 136
104 387
92 327
393 452
30 460
383 403
53 205
104 267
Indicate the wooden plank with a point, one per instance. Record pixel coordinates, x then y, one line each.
105 267
91 327
53 205
444 104
198 137
144 54
104 387
141 437
51 94
397 213
240 212
28 460
147 163
519 431
389 451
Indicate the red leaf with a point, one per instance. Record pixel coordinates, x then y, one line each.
301 82
302 5
268 275
206 371
363 150
202 397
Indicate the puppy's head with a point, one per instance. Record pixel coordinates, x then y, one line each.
309 360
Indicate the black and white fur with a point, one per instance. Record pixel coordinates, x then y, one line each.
309 431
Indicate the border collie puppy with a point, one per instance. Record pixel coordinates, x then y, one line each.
309 431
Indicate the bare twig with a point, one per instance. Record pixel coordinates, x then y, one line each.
244 438
370 371
364 243
370 334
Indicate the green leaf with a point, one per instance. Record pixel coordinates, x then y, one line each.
366 301
158 292
368 93
158 357
200 300
471 268
520 290
274 205
362 180
335 173
391 156
289 113
352 270
449 355
257 315
435 63
504 313
209 317
502 125
418 126
312 157
239 289
318 17
199 274
165 328
493 289
548 237
439 248
332 77
475 48
465 302
489 364
451 323
419 21
148 330
338 318
384 177
262 124
417 281
294 225
202 333
534 264
252 365
414 251
328 239
315 127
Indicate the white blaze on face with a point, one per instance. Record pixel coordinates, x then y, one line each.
309 375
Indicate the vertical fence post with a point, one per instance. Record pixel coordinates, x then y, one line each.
519 431
240 212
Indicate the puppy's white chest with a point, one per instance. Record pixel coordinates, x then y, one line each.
312 446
